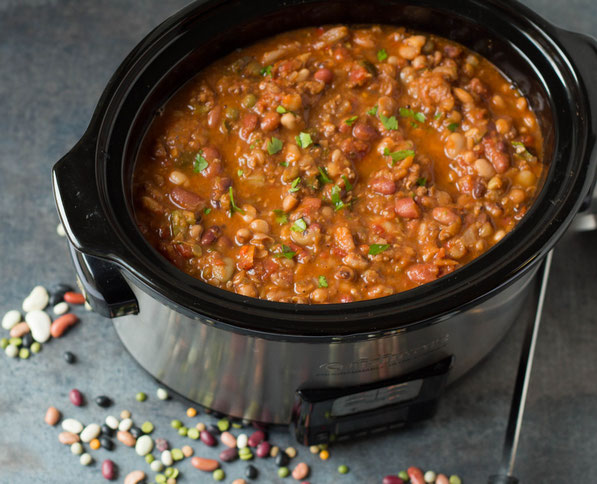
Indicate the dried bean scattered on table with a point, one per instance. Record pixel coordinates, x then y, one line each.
62 323
203 464
52 416
108 470
76 397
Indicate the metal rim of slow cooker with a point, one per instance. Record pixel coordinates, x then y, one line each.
519 251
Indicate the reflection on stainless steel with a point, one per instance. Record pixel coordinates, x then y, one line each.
251 377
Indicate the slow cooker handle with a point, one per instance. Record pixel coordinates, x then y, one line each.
92 241
583 51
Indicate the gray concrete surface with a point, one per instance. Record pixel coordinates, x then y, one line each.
55 58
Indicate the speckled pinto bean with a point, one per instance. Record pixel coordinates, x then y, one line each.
419 148
442 479
19 330
134 477
126 438
416 475
68 438
300 471
61 324
52 416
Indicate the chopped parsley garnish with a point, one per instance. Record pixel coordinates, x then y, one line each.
287 252
409 113
453 126
274 145
284 164
281 216
323 282
350 121
375 249
266 71
299 225
200 163
281 109
294 187
347 184
437 115
390 123
323 175
240 172
382 55
233 207
521 150
207 210
336 200
303 140
398 155
373 111
422 181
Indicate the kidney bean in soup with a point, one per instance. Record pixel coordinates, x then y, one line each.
337 164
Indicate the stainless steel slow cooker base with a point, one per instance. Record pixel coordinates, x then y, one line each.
251 377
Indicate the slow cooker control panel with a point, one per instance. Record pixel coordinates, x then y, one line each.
332 414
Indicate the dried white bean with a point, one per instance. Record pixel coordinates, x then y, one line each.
144 445
162 394
430 477
166 458
112 422
156 466
90 432
60 230
242 441
125 424
11 318
72 425
85 459
61 308
76 448
11 351
39 322
37 300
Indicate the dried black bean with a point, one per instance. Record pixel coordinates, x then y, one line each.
282 459
251 472
106 443
103 401
27 340
213 429
57 293
136 432
69 357
107 431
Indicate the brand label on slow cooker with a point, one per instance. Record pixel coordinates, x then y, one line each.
378 397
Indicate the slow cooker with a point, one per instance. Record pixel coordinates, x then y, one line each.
335 370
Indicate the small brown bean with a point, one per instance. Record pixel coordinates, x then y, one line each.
228 439
187 450
484 168
186 199
259 225
239 481
52 416
214 117
526 178
61 324
441 479
407 208
289 202
134 477
422 273
319 295
502 126
445 216
126 438
19 330
243 236
344 273
68 438
270 121
300 471
383 186
498 101
463 96
324 75
517 196
455 144
364 132
178 177
521 104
